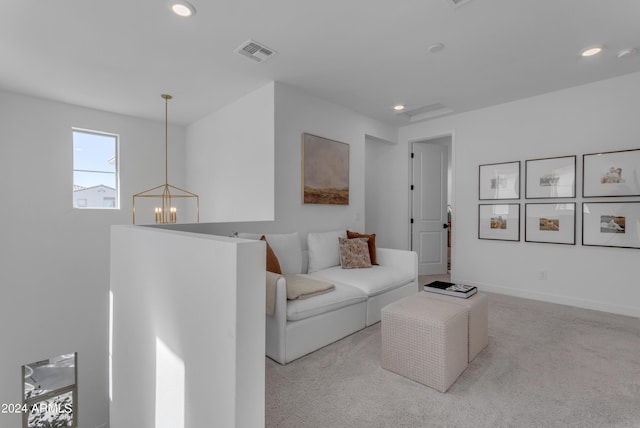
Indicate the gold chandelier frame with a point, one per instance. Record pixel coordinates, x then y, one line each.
166 213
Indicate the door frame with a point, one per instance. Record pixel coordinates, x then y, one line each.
451 181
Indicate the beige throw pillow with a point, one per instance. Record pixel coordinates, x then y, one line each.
354 253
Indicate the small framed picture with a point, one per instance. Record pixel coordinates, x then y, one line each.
499 181
552 223
499 222
550 178
611 174
611 224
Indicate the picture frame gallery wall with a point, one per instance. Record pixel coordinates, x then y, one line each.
550 184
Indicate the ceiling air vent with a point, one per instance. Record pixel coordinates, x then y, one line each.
427 112
456 3
256 51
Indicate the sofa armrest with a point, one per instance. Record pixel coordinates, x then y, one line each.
276 324
404 260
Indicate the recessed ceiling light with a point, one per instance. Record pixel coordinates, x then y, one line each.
398 107
182 8
595 50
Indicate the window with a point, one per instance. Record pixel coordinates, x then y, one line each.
95 170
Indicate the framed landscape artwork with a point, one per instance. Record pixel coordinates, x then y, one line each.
611 224
550 178
325 171
499 222
499 181
552 223
611 174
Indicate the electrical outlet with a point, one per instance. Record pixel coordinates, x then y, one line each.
542 275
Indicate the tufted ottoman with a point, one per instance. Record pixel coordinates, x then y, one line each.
478 308
425 340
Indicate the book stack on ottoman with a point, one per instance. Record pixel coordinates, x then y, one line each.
430 338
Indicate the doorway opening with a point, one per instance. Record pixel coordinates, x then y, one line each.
431 210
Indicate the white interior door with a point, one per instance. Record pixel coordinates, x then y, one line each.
429 207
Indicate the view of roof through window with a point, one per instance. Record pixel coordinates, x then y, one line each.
95 170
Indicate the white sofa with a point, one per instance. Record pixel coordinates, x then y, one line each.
299 327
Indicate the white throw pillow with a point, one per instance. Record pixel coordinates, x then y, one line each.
288 251
324 249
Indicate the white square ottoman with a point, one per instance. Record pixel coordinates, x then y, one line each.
425 340
478 307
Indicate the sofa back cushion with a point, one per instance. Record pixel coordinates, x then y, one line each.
324 249
273 264
288 250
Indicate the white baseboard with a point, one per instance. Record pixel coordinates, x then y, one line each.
554 298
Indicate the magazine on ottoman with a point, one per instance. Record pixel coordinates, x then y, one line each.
450 289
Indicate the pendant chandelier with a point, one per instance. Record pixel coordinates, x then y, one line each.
165 211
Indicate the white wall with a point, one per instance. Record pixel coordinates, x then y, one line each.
602 116
390 204
54 260
230 154
297 112
379 187
203 297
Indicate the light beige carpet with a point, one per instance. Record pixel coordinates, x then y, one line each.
546 365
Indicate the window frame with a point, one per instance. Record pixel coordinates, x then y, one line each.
117 167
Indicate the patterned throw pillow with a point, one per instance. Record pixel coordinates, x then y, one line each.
354 253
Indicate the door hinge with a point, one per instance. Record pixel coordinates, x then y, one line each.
412 187
412 155
411 221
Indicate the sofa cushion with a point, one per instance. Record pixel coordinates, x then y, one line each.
324 249
371 243
288 250
342 296
354 253
373 281
273 265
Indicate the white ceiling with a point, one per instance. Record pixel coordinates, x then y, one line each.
367 55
